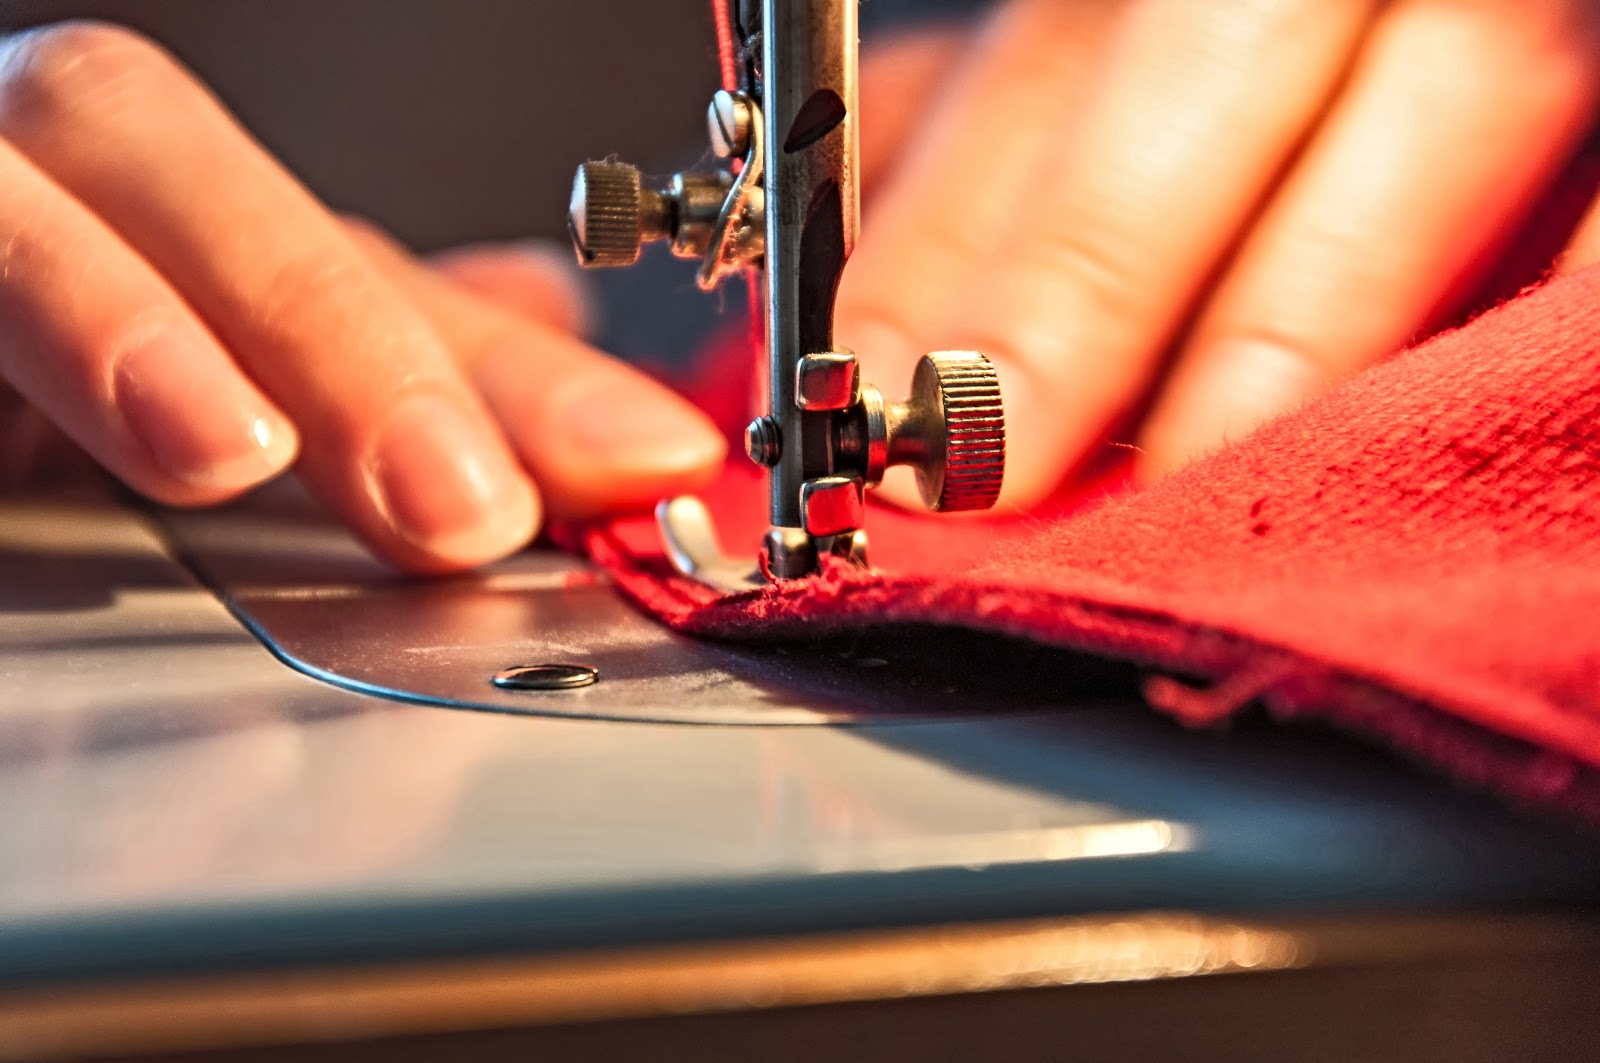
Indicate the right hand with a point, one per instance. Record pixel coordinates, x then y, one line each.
1176 219
188 314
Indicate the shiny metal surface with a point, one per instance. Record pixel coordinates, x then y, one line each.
690 538
737 237
178 800
330 612
544 678
713 216
195 1014
730 120
809 99
825 437
1128 988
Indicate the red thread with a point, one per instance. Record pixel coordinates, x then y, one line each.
1209 706
725 53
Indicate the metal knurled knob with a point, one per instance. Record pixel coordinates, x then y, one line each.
606 217
961 390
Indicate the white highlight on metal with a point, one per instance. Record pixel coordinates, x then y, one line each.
1087 841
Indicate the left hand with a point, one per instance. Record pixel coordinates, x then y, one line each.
466 289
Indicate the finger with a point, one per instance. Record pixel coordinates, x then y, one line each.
1125 208
535 278
1457 117
901 74
598 436
394 439
971 164
95 339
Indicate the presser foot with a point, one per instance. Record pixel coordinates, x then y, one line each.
792 553
692 545
690 537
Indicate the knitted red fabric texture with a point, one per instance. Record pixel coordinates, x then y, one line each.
1414 557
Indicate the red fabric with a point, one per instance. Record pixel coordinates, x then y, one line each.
1415 557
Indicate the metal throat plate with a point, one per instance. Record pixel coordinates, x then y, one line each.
323 606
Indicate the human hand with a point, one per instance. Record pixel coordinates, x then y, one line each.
1205 211
185 311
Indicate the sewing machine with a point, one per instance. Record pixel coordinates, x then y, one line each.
786 205
264 797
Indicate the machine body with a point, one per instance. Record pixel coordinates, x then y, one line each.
787 204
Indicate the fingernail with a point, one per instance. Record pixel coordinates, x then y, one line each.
202 422
445 484
631 425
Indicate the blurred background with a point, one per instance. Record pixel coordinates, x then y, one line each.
454 121
446 121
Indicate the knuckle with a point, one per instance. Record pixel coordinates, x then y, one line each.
945 242
1232 34
366 233
1075 257
47 72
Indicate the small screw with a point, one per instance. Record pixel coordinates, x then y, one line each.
546 677
763 441
728 123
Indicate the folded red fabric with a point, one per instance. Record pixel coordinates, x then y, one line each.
1414 556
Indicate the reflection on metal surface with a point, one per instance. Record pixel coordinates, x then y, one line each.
1086 842
690 537
508 582
156 755
536 677
178 800
311 595
392 1002
180 1016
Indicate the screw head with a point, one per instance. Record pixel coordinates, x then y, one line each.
728 124
763 441
546 677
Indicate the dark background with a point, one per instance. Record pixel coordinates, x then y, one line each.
445 120
450 120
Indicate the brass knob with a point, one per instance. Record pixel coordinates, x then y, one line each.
611 214
952 431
